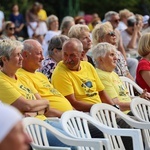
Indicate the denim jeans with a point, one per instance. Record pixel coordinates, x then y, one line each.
53 141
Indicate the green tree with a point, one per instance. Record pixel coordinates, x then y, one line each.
62 8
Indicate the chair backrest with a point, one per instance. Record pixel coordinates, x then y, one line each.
75 123
141 110
110 116
77 127
37 130
131 85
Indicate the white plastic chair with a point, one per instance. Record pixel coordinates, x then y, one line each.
141 110
108 115
37 131
75 123
130 85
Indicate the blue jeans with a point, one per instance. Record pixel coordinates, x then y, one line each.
53 141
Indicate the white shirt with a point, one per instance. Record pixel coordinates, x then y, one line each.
47 38
1 19
122 26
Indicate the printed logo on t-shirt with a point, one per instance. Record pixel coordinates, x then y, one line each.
28 93
87 86
51 88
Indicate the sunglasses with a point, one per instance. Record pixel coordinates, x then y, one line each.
59 48
112 33
117 20
11 28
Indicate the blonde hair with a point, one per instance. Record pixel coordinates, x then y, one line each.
99 31
76 30
124 13
51 19
144 45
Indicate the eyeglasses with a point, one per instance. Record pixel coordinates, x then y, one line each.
117 20
59 48
81 22
111 33
11 28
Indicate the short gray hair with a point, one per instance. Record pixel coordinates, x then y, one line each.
109 14
7 46
56 42
101 49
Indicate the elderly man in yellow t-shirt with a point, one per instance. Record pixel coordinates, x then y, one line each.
77 80
32 54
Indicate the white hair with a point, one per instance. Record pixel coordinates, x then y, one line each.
101 49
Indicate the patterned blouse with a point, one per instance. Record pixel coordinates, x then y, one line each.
48 67
121 68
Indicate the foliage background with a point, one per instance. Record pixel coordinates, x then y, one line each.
62 8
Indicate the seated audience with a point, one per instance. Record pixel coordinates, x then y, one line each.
58 102
32 60
20 93
143 69
77 80
55 55
12 134
82 33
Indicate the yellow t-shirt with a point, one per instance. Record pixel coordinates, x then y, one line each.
46 90
11 90
42 15
84 84
114 86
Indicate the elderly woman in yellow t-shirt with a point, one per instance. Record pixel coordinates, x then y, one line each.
105 57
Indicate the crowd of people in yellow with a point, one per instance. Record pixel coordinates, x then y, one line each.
53 71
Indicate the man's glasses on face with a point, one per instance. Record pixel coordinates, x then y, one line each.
111 33
116 21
